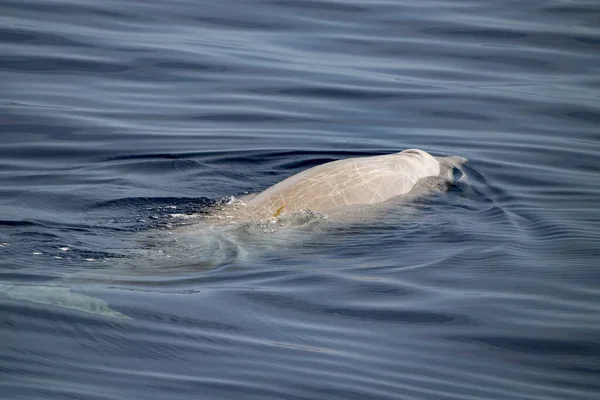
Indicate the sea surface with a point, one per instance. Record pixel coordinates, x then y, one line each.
124 125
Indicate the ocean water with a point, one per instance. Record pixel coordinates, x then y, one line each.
124 123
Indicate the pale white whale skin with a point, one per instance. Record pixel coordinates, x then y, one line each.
352 181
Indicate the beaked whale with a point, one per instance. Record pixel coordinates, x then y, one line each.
325 190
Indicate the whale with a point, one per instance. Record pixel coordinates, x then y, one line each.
279 216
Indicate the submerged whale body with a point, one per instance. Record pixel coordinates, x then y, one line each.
352 181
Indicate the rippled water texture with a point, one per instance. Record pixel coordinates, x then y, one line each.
124 123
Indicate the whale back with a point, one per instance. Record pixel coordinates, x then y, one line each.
353 181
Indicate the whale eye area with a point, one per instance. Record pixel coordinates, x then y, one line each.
411 152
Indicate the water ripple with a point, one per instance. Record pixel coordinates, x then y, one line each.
125 123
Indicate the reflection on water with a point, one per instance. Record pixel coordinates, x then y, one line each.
125 124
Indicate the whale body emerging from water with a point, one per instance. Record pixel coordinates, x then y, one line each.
352 181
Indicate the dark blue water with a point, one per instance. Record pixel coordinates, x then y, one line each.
122 120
